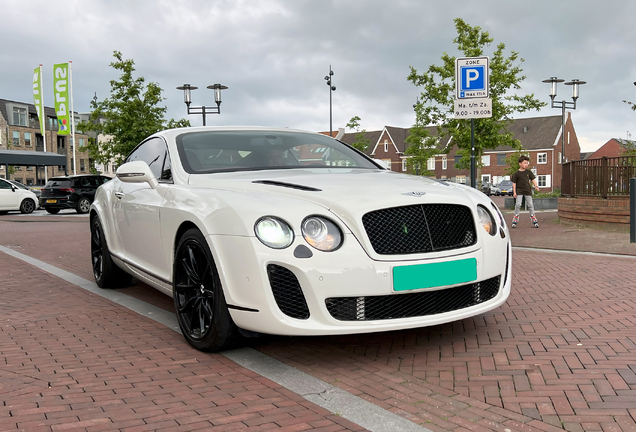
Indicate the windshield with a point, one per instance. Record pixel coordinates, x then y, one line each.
58 183
204 152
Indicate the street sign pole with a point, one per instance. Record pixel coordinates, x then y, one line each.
473 168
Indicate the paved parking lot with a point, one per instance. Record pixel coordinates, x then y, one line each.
561 354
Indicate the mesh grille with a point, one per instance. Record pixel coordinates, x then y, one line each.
420 228
413 304
287 292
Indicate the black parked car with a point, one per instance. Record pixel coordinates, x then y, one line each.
505 187
71 192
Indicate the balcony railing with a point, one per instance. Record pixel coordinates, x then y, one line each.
604 177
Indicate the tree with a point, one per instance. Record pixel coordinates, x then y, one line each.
128 116
437 97
361 143
421 147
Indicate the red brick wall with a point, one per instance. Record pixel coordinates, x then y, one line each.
610 149
594 211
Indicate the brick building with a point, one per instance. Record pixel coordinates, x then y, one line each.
615 147
540 139
21 131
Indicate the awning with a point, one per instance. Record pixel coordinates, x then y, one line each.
31 158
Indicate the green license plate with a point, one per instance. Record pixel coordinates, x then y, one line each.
435 274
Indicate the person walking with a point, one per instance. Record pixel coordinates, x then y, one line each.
521 181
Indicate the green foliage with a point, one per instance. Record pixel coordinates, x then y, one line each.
554 194
130 114
629 148
438 93
512 162
421 147
361 143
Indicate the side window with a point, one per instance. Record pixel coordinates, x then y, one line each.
5 185
167 168
153 152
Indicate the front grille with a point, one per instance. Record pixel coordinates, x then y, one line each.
287 292
420 228
414 304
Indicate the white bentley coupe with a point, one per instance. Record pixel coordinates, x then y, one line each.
279 231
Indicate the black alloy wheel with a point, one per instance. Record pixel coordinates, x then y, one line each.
27 206
105 271
83 205
198 297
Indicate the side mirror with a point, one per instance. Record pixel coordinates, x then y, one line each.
137 172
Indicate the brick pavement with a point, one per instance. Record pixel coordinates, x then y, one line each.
75 361
561 354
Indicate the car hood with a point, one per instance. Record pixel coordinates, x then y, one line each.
340 190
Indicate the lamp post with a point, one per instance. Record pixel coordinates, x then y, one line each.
575 83
331 89
203 110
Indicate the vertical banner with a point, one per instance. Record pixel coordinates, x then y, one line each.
37 96
60 89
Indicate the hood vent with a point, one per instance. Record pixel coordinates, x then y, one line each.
288 185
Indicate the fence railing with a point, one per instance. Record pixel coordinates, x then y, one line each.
604 177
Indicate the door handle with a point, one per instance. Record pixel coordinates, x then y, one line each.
119 195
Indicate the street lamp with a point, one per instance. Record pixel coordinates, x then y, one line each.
575 83
203 110
331 89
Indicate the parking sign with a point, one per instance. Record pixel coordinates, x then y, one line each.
471 78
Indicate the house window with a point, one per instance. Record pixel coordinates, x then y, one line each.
19 116
16 138
457 159
29 168
386 146
559 158
82 166
403 164
27 139
444 163
387 162
543 180
29 182
17 168
485 160
430 164
18 179
460 179
542 158
81 142
534 171
501 159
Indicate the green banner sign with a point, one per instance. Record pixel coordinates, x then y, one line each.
37 97
62 101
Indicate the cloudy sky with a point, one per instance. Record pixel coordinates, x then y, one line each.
274 54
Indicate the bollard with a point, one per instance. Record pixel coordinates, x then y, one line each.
632 210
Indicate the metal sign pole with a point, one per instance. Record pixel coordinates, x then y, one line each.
472 153
632 210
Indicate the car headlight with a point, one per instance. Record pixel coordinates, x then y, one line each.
486 220
274 232
321 233
502 221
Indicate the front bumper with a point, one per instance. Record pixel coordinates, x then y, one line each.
348 277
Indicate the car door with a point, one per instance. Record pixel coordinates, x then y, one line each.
9 198
136 211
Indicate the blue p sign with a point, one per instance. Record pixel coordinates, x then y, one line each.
472 78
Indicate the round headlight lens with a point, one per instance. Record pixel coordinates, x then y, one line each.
274 232
321 233
486 220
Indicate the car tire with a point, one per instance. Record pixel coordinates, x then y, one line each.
199 301
27 206
83 205
51 210
107 274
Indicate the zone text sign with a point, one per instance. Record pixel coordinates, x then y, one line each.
471 77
